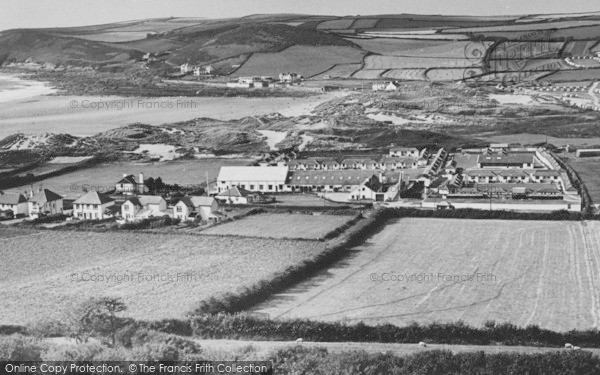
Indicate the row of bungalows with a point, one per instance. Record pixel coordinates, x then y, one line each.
327 164
437 164
411 152
43 203
484 176
512 160
509 191
341 181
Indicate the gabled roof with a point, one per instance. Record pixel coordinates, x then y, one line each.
273 174
12 198
506 159
235 191
342 177
480 173
194 201
548 173
351 161
134 200
150 199
45 196
93 197
398 149
128 180
374 184
513 173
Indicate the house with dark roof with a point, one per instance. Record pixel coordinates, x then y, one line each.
93 206
45 202
236 195
192 208
15 202
373 188
143 207
129 186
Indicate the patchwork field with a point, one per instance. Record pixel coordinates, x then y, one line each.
395 46
158 276
305 60
282 226
428 270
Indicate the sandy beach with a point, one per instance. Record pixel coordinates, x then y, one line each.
27 110
13 88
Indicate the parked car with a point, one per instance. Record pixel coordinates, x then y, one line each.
7 215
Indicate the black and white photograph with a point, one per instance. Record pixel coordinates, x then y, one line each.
308 187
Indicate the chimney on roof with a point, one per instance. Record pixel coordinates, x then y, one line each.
125 175
141 183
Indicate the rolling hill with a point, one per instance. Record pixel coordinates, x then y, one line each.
357 47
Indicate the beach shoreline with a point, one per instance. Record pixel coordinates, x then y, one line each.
32 110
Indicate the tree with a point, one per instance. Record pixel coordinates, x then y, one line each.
97 317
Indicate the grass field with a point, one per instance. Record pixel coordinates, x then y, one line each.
339 71
282 226
304 60
574 75
529 26
114 37
158 276
374 62
406 74
385 46
427 270
589 171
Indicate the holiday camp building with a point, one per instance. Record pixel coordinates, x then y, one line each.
256 179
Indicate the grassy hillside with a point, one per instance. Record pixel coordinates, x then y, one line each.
44 47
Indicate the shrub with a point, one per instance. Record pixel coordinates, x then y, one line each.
300 360
20 348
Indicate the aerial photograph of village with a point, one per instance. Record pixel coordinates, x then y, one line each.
299 187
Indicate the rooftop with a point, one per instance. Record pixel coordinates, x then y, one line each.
273 174
93 197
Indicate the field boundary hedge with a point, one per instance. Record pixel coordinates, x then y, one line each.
247 326
264 289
